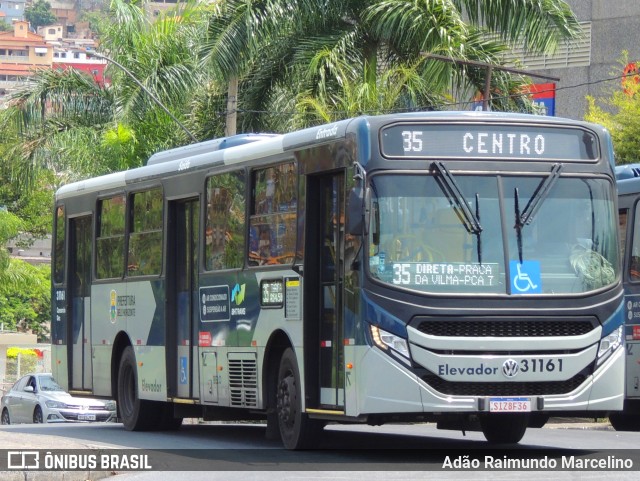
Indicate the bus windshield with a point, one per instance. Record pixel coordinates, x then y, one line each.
538 234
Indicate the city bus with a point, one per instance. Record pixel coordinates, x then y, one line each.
460 268
628 181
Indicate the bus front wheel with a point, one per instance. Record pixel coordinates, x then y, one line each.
136 414
504 428
296 429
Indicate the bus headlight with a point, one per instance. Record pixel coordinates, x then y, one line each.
385 341
609 344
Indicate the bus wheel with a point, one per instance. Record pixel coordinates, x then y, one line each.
624 421
504 428
136 414
296 429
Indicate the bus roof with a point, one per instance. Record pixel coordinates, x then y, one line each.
246 147
628 178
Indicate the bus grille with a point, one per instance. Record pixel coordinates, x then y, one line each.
503 388
505 327
243 380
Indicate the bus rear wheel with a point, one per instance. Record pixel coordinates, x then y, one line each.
136 414
504 428
296 429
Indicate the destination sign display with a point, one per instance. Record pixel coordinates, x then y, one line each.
271 292
488 141
445 274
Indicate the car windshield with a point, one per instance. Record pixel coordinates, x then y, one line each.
454 233
48 384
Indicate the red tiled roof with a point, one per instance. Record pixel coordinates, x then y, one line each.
19 69
30 38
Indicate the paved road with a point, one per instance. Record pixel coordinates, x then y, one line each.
243 452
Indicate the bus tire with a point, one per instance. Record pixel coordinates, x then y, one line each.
135 413
624 421
504 428
296 429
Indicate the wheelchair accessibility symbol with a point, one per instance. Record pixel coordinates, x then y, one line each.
183 370
525 277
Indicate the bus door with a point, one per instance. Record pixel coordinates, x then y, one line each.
79 295
629 224
182 291
325 230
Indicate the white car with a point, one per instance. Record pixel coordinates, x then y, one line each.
37 398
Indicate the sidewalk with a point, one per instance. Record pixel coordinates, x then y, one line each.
601 424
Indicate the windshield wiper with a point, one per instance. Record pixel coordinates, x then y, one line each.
470 220
452 190
540 194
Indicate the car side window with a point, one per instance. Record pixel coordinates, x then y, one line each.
32 383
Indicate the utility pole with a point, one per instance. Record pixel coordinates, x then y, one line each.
489 68
232 103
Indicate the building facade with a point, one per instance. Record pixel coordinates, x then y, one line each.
22 52
12 10
591 65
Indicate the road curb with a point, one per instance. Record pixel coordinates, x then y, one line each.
55 475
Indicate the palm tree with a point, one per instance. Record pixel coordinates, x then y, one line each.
66 123
279 48
53 124
162 56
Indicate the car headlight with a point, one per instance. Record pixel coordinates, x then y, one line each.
55 404
385 341
110 405
608 344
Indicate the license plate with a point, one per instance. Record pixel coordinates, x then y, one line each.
509 405
86 417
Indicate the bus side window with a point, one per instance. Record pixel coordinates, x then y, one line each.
59 252
110 237
225 224
272 225
145 238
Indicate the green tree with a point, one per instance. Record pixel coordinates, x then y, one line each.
10 226
282 47
39 14
25 300
620 114
163 56
65 123
55 124
26 305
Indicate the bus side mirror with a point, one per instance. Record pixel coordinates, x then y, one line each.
355 214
